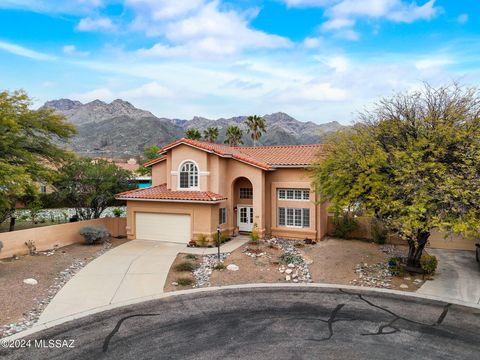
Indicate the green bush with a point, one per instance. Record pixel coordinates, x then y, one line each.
117 212
93 234
191 257
185 266
223 238
428 263
290 258
255 234
219 266
379 233
184 281
344 226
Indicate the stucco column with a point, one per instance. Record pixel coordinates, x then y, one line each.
259 202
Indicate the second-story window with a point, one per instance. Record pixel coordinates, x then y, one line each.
189 175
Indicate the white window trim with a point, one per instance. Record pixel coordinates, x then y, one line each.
196 188
285 199
222 223
286 216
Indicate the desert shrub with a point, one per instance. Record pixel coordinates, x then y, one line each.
344 225
290 258
428 263
255 234
93 234
223 238
191 257
185 266
32 249
379 233
219 266
184 281
202 240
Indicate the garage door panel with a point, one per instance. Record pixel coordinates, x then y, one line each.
162 227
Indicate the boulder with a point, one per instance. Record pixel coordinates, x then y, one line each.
232 267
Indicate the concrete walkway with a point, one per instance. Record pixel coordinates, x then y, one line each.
457 276
136 269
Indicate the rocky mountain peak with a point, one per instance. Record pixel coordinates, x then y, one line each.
63 104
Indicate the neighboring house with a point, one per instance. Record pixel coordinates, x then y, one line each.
199 186
139 181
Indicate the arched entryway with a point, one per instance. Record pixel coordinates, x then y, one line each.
242 190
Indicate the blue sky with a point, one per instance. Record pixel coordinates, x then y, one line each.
318 60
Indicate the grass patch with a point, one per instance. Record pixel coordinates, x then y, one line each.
184 281
185 266
191 257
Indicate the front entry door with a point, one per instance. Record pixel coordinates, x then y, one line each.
245 218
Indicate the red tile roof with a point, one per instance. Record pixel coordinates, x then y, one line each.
155 161
160 192
264 157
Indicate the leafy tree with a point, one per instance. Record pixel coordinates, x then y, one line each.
234 135
193 134
29 150
414 162
90 185
256 127
211 134
149 153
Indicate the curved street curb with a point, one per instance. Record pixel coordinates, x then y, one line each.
40 327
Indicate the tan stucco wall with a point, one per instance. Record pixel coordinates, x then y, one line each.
204 217
46 237
159 173
294 179
219 175
437 240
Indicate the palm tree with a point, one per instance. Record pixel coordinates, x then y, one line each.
193 134
234 135
211 134
256 126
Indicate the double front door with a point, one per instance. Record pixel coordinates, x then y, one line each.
245 218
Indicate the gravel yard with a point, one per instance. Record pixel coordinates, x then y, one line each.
22 303
332 261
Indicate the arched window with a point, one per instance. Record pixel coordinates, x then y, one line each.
189 175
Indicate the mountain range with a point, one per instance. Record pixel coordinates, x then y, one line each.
119 129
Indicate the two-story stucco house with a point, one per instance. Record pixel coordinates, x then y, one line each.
199 186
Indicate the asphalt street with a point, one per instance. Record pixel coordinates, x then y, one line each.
266 323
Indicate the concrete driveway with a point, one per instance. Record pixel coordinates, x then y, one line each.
295 322
136 269
457 276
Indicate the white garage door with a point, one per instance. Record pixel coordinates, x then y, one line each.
163 227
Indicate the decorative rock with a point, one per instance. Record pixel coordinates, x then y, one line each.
30 281
174 283
288 271
232 267
291 266
295 280
407 278
403 286
288 278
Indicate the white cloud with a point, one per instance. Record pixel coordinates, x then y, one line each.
462 19
337 63
104 94
313 42
25 52
343 14
212 32
433 62
73 7
152 90
94 24
164 9
73 51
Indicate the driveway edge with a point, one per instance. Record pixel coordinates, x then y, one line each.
49 324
